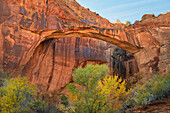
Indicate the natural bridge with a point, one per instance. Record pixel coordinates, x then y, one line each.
90 32
79 32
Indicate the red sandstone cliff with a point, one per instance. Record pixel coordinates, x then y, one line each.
23 23
153 34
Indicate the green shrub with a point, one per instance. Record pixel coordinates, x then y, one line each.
41 106
157 88
64 100
87 100
128 23
96 95
4 76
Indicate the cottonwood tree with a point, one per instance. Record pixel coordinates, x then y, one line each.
99 91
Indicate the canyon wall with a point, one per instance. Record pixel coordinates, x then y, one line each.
153 35
21 25
54 60
51 62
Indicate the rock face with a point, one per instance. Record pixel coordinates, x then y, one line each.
153 34
54 60
23 23
124 63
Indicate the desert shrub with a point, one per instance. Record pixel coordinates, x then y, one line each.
157 88
19 96
52 97
65 109
4 76
16 93
128 23
38 105
41 106
47 101
114 89
64 105
64 100
95 95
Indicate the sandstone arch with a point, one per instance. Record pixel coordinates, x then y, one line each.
90 32
56 65
78 32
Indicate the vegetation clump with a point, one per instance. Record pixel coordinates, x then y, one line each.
15 94
93 90
128 23
99 93
154 89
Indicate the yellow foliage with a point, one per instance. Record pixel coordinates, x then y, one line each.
72 97
114 89
100 93
14 93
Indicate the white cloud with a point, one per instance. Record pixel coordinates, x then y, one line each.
126 5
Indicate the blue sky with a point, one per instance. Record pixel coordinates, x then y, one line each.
126 9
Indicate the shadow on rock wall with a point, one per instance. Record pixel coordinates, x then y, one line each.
124 63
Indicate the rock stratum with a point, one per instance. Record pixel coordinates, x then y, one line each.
46 39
